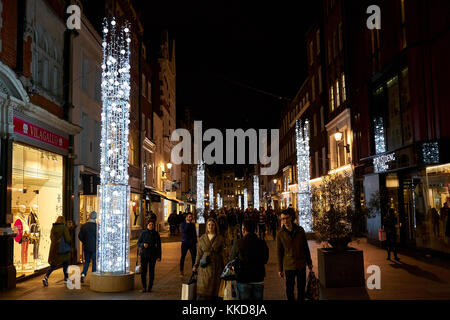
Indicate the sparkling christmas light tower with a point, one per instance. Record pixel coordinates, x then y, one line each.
245 199
256 192
211 196
114 193
304 206
200 192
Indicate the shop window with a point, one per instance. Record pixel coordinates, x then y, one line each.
135 211
36 202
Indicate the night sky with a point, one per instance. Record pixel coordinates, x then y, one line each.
238 62
224 47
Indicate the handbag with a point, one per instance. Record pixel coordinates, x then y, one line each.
205 260
312 287
137 268
228 273
221 288
381 235
64 247
189 289
230 292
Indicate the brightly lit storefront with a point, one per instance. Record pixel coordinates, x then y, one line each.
36 202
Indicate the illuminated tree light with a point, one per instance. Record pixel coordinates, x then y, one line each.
380 143
200 192
256 192
211 196
245 199
304 205
114 192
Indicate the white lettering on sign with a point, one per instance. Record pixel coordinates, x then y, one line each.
380 162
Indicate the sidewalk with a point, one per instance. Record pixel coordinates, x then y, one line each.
409 279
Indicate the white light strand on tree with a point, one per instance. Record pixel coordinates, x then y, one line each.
240 201
218 201
378 128
256 192
114 192
211 196
304 189
245 199
200 192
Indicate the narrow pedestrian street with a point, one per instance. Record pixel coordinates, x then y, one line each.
409 279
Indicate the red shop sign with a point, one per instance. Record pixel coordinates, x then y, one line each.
35 132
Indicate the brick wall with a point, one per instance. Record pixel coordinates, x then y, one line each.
8 33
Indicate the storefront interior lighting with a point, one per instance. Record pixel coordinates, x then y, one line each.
340 169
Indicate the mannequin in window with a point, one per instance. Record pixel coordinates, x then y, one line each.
22 216
35 229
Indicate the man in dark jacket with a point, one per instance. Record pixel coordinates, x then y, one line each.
252 254
88 236
188 241
293 255
389 225
150 246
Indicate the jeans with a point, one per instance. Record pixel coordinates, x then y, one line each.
391 242
247 291
87 258
147 264
262 231
290 283
53 268
184 249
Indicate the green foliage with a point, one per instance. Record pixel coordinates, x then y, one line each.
334 213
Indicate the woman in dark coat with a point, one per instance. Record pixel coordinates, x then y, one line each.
211 244
56 256
150 246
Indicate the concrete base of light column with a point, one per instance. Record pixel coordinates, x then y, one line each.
112 282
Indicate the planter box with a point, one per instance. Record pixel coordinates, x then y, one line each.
341 269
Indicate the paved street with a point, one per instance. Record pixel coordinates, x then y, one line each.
411 278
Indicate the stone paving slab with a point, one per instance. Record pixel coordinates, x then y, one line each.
409 279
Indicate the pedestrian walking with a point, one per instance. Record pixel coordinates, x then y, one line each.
209 262
262 224
150 251
59 249
252 254
88 237
293 255
172 223
188 241
389 226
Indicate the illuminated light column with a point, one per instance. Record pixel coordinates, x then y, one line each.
211 196
304 206
245 199
240 201
256 192
113 228
200 192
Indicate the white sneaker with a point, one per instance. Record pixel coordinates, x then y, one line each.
67 280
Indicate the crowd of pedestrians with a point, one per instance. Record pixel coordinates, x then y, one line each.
231 235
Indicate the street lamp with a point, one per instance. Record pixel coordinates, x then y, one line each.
169 165
338 136
275 181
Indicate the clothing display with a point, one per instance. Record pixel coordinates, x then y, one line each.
35 233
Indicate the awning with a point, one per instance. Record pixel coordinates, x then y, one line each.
165 196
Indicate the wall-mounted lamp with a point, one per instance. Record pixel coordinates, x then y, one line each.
169 165
338 137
